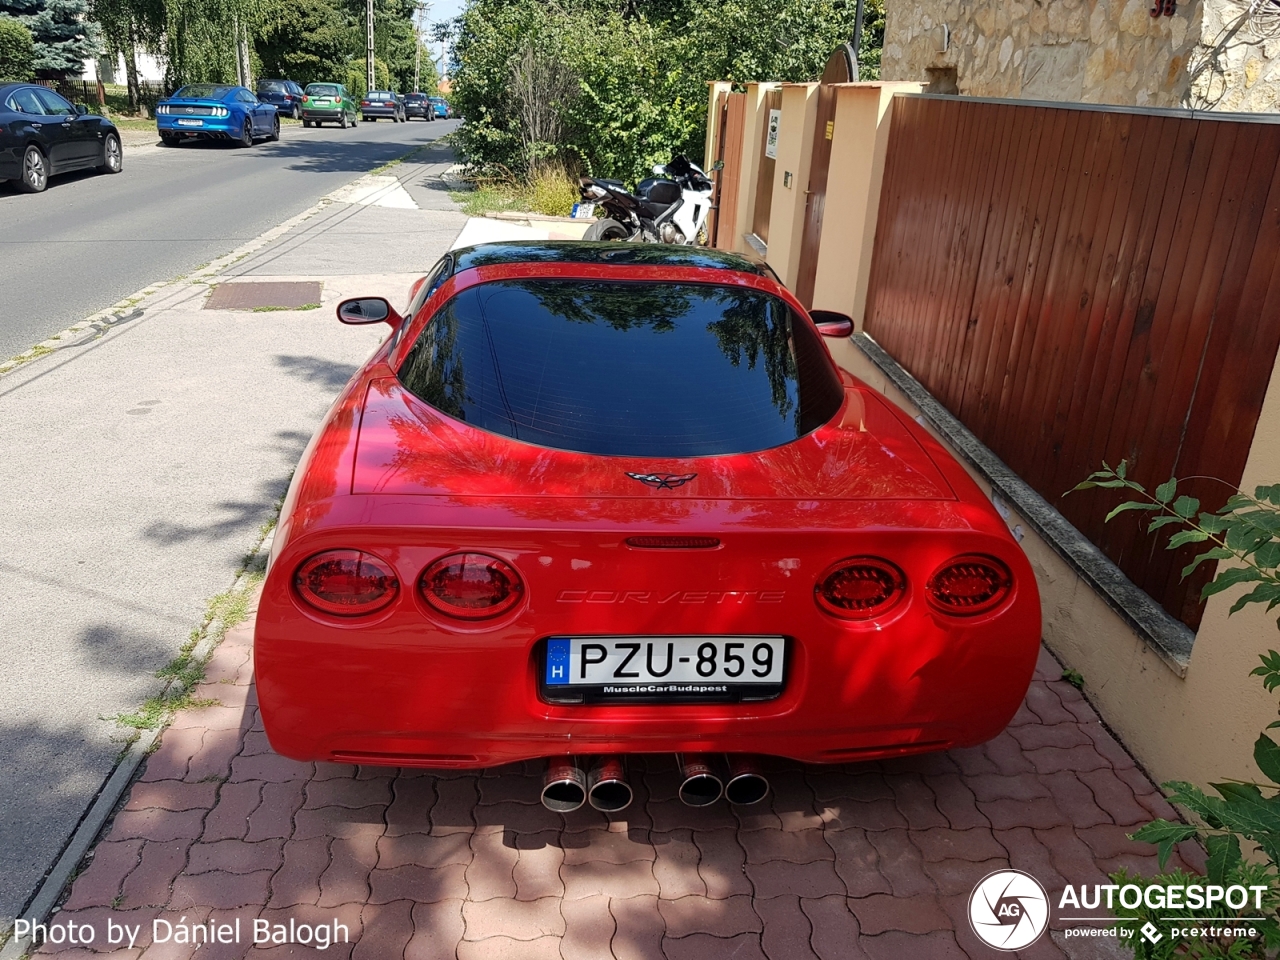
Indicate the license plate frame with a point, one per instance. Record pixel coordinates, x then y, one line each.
188 122
670 693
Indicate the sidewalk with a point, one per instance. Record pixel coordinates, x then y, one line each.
871 860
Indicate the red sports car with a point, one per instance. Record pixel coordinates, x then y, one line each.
589 500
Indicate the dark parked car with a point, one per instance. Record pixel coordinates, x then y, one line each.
285 94
42 135
381 105
417 105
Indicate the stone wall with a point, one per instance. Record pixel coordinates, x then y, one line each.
1091 51
1237 64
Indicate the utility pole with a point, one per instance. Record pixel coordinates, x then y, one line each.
368 16
419 10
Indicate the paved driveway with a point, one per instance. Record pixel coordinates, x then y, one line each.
870 860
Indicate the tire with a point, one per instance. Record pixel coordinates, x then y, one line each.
169 140
112 155
306 123
246 134
606 230
343 122
275 128
35 171
297 112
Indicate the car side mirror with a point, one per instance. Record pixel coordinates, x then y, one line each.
364 310
81 110
832 324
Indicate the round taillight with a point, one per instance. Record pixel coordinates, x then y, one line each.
346 583
471 586
969 585
859 588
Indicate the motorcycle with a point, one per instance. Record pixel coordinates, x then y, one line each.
670 207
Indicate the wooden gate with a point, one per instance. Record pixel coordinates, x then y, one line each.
1084 285
764 176
816 196
733 115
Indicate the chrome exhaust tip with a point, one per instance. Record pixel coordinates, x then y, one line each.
747 784
701 786
564 785
607 787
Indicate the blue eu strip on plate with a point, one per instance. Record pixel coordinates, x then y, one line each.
557 661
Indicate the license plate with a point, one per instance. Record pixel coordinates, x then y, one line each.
191 123
658 669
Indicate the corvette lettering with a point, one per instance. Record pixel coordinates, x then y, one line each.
675 596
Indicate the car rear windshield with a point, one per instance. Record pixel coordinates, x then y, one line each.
625 368
415 97
202 91
322 90
272 86
379 95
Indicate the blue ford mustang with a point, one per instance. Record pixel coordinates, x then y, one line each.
216 111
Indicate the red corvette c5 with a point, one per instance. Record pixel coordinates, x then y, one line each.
601 499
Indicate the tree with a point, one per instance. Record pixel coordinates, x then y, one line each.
307 41
62 35
17 51
126 24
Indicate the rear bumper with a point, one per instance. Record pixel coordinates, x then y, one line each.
382 113
310 113
220 127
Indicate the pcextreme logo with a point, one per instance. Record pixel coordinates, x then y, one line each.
1009 910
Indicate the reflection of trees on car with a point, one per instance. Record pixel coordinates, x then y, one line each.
622 306
757 327
433 370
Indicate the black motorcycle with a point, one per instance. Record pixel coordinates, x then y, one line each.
670 207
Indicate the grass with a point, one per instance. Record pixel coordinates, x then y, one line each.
549 192
305 306
1074 677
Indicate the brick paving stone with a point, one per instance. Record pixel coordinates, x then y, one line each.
491 872
517 919
1045 703
1041 813
793 803
351 860
1108 746
333 771
348 793
785 930
676 865
157 825
171 795
273 817
880 912
875 815
720 918
721 864
269 767
1108 841
1072 796
423 850
915 801
337 822
213 760
1160 807
215 717
621 881
1070 759
506 948
638 928
607 847
101 881
437 931
835 929
833 786
801 846
235 856
994 786
298 879
588 929
159 865
668 815
1033 736
974 761
956 801
418 883
537 869
1023 716
1007 756
857 862
954 877
453 811
1028 854
219 889
513 786
901 863
778 878
410 809
229 818
939 844
385 930
1115 797
171 759
1047 665
701 946
1071 856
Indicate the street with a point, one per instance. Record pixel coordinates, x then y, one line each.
93 240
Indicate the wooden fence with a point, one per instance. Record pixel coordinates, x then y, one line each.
1080 285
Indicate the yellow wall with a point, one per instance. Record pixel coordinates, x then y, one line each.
795 148
752 150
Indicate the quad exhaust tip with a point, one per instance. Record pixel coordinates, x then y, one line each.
607 787
700 787
746 784
564 785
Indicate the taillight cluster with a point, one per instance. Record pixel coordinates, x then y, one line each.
352 583
860 588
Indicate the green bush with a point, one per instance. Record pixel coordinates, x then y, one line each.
17 50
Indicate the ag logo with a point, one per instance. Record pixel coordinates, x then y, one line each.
1008 910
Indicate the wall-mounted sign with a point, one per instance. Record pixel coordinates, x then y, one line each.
771 139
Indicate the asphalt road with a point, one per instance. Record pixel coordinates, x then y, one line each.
91 240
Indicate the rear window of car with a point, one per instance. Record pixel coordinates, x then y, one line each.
322 90
272 86
379 95
203 91
415 97
625 368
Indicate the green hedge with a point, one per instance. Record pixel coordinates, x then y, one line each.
17 51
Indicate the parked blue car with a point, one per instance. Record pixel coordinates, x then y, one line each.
441 106
215 111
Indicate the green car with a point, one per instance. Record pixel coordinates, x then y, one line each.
328 103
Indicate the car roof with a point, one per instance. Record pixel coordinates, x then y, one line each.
611 253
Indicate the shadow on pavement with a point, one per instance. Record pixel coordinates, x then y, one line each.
316 370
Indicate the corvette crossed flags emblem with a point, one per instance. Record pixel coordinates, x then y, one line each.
663 481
